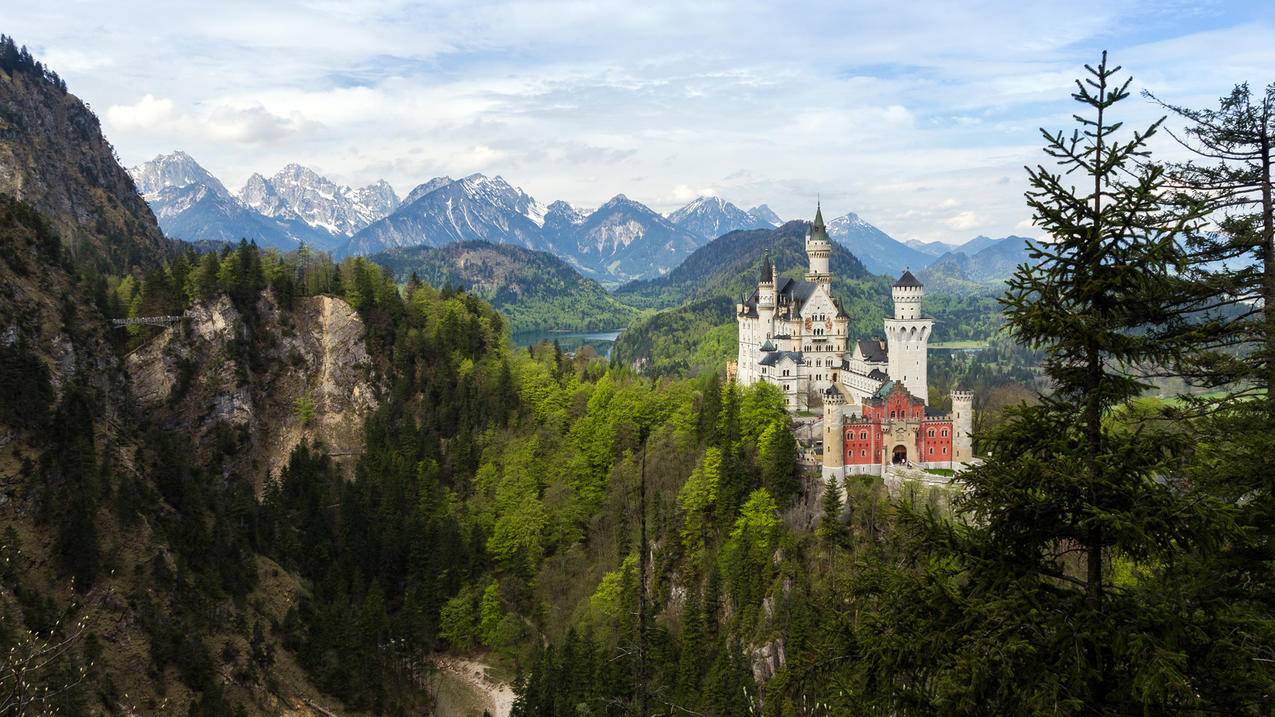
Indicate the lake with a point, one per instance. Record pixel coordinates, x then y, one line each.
601 341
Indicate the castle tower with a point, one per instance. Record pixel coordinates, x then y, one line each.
962 426
833 447
908 335
818 249
766 285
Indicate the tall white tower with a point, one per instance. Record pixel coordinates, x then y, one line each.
834 461
962 426
818 249
908 335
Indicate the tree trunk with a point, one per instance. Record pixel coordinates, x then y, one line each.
1268 254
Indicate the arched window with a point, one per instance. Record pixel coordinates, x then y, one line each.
863 436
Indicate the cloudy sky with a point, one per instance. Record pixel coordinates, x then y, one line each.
917 115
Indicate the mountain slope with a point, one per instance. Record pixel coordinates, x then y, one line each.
53 157
192 205
535 290
992 264
301 193
726 265
878 251
765 215
475 207
711 217
626 240
933 248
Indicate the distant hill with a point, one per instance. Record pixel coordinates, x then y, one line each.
933 248
729 265
696 330
990 265
879 252
534 289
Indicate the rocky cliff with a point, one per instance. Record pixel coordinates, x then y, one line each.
53 156
314 381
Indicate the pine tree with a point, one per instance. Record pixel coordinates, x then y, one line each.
830 527
1229 292
1015 609
1231 276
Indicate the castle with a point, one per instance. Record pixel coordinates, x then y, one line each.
873 392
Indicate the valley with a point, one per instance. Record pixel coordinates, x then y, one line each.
305 443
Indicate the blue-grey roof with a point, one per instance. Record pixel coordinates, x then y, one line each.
767 346
873 351
775 357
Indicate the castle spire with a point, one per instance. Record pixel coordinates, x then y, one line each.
818 223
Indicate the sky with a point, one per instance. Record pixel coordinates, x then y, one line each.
918 116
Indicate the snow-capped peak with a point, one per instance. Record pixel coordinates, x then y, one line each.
176 169
298 192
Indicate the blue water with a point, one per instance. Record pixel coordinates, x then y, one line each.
601 341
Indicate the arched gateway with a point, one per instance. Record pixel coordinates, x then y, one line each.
900 454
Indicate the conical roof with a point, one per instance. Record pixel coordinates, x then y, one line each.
818 230
908 281
767 268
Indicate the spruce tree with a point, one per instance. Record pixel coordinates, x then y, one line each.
1229 292
830 527
1015 609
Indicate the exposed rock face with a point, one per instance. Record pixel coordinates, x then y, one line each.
766 660
53 156
315 363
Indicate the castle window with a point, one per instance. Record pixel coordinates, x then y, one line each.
863 453
945 434
863 436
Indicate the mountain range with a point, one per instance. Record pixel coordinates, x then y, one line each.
990 262
619 241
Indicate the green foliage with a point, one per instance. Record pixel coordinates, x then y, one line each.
24 382
303 407
1012 609
534 290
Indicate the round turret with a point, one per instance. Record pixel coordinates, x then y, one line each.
907 293
833 447
962 425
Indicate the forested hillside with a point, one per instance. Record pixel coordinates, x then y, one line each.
699 332
534 290
243 482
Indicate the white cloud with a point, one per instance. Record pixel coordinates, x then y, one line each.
963 221
915 124
252 125
683 193
147 113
